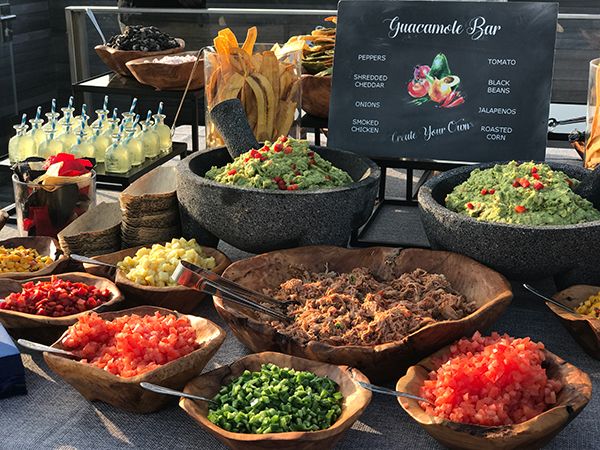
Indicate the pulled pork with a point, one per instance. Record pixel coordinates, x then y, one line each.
356 309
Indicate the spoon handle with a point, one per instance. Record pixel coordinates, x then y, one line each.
43 348
386 391
167 391
548 299
85 259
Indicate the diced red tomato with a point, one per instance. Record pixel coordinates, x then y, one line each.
55 298
131 345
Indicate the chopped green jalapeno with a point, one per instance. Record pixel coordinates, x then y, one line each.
277 400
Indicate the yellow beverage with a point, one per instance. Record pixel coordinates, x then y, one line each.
68 137
83 150
51 146
164 132
117 158
37 132
136 151
150 141
101 140
21 146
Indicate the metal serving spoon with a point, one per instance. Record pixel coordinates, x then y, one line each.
167 391
45 348
548 299
386 391
85 259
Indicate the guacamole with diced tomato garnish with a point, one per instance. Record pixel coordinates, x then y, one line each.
287 164
526 194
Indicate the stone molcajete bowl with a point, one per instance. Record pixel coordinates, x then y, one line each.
260 220
570 254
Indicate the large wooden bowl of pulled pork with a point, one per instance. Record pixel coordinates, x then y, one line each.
377 309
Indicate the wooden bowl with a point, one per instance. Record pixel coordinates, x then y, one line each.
585 330
178 298
46 329
533 433
356 399
45 246
116 60
164 76
125 393
488 289
316 92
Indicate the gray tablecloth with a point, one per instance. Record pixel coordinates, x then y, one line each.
54 415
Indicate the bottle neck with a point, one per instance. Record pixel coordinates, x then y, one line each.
20 129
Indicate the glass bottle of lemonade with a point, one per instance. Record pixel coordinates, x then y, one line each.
67 116
164 132
68 136
150 140
37 129
51 117
22 145
117 155
102 114
128 118
51 146
133 143
83 148
82 125
101 140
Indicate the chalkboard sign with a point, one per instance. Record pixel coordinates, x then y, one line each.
450 81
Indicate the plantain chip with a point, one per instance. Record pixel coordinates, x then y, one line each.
261 110
271 104
251 35
285 117
229 36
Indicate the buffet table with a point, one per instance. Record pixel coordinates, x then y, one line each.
54 415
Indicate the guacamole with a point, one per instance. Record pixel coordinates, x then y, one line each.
526 194
286 164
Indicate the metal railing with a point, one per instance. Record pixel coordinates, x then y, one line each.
195 26
578 36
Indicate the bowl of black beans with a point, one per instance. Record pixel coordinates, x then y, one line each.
137 41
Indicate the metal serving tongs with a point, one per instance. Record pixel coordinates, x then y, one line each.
192 276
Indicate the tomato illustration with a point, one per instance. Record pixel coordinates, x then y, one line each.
418 88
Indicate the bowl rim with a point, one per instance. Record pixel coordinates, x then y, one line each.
425 196
144 60
352 373
116 297
577 317
374 173
505 295
58 257
219 335
418 414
